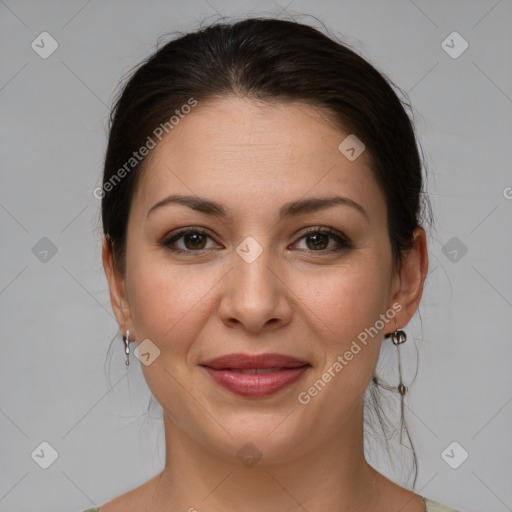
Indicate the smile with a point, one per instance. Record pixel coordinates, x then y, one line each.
255 375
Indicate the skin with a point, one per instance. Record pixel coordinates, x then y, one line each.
294 299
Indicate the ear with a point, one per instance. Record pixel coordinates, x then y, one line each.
116 284
409 280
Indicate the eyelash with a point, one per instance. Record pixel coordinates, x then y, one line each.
344 243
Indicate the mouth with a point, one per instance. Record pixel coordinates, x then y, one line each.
255 376
259 371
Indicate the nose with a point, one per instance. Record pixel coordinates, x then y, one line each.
255 294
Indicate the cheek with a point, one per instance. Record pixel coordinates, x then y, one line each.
349 305
169 306
169 302
350 298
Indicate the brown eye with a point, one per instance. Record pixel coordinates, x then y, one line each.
317 240
194 240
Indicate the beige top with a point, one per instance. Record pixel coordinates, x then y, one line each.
430 506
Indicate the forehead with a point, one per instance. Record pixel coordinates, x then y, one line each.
240 151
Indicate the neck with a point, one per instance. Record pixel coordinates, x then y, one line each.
333 476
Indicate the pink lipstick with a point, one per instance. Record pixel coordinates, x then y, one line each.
255 375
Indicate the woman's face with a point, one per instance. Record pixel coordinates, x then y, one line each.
263 278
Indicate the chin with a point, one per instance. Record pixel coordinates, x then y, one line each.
260 439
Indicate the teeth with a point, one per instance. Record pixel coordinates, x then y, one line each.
253 370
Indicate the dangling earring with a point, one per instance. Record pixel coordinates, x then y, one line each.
126 340
398 337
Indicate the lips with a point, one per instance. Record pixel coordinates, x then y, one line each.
258 361
255 376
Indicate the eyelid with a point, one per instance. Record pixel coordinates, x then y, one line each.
326 231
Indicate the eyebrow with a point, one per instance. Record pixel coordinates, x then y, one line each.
291 209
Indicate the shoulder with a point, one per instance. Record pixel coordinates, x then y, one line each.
434 506
135 499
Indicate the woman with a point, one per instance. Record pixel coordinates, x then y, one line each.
261 205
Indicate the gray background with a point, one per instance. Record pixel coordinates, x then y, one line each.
56 319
